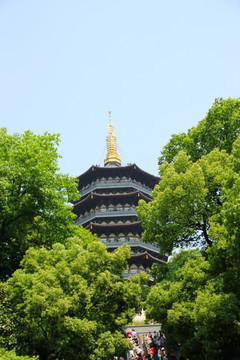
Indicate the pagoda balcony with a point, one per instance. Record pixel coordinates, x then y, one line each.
132 243
106 214
116 184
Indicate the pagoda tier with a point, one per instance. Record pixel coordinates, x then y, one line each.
134 228
145 259
121 176
95 199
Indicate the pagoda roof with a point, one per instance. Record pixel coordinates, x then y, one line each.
133 227
139 248
145 259
96 198
132 171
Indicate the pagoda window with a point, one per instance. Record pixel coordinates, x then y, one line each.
121 237
126 207
133 269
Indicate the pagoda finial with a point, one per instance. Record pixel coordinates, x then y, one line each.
112 158
110 127
109 112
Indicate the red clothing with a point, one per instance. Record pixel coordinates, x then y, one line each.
129 333
153 350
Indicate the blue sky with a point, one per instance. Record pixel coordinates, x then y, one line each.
157 65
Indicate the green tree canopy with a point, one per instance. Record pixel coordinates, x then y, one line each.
187 197
219 129
197 297
34 196
200 318
196 176
70 302
11 355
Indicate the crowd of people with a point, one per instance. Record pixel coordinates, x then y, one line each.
152 347
155 349
136 353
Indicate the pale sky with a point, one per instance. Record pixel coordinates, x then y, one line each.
157 65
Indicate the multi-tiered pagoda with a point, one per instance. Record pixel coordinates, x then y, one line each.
109 196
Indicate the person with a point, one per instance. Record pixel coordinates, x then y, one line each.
129 334
134 334
139 351
164 356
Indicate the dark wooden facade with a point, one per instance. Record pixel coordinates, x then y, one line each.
109 196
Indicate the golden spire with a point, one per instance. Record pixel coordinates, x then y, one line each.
112 158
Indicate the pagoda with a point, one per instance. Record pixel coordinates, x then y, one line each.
109 196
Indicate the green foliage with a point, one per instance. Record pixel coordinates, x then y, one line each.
109 344
11 355
217 322
171 302
34 201
197 296
7 338
142 280
198 173
188 195
219 129
200 318
65 301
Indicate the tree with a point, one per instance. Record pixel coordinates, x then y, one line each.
200 319
171 301
198 169
224 229
70 302
219 129
197 202
11 355
188 195
34 196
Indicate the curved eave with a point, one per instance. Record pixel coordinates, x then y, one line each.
95 171
111 228
154 178
145 257
146 253
96 198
